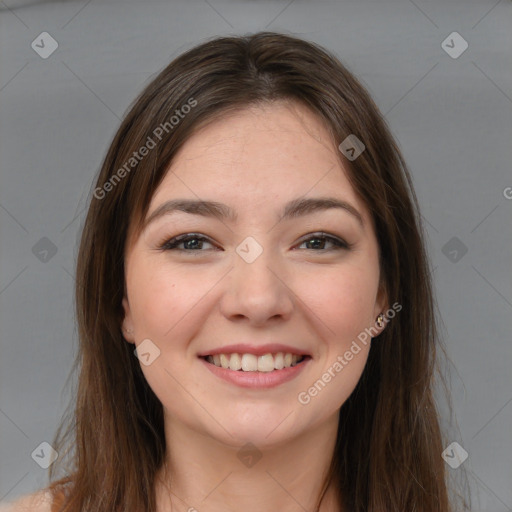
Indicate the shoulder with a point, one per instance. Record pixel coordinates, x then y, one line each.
39 501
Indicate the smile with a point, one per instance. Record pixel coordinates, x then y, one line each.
251 376
252 363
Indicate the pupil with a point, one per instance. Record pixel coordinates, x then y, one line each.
318 241
190 242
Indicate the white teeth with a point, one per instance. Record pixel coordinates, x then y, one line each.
224 361
251 363
266 363
235 362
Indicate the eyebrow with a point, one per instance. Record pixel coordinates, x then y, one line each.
295 208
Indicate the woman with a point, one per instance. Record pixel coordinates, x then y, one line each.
255 311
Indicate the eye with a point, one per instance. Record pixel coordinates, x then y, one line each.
191 242
320 239
194 242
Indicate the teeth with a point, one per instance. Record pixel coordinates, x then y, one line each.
266 363
235 362
252 363
224 361
249 363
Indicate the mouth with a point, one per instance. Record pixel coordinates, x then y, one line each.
247 362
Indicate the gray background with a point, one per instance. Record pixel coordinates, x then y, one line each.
451 117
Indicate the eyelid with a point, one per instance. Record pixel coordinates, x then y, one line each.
171 243
338 241
165 245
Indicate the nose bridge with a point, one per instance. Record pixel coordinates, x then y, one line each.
256 289
254 264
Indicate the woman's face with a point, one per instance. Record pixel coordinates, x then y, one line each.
269 276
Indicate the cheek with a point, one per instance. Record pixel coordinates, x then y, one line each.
342 299
160 298
344 310
165 305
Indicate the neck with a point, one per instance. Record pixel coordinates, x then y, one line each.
204 474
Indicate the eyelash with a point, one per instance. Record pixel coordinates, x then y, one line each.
172 243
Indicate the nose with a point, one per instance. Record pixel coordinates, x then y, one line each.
257 292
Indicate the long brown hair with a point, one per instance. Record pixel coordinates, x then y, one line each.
388 450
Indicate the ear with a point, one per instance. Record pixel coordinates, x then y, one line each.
381 301
381 306
127 325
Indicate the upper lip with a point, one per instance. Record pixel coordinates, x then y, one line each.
257 350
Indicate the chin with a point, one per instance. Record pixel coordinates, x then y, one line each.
260 430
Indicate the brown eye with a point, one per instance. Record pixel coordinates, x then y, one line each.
319 241
191 242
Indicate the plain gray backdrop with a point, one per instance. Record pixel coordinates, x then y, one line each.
449 107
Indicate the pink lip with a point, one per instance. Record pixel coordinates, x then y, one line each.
257 350
257 379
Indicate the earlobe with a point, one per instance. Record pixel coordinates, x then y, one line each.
381 306
126 326
128 335
380 323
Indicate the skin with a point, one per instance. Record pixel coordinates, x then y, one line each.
315 297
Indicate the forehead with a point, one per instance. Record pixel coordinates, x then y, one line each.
256 156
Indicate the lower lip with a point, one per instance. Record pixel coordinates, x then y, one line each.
257 379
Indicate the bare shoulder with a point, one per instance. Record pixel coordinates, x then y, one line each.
39 501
